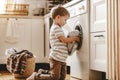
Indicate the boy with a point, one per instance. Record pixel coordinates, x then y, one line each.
58 42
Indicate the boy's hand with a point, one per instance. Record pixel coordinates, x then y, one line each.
77 39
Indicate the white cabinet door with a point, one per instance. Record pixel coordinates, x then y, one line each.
3 24
98 57
98 15
98 37
23 32
38 39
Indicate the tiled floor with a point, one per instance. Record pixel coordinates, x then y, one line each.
8 76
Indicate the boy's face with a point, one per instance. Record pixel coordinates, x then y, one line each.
61 20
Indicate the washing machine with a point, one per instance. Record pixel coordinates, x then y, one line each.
79 60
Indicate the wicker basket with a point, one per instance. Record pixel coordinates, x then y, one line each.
30 66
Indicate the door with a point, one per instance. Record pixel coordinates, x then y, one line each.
98 35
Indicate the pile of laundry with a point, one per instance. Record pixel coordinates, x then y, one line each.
16 61
41 74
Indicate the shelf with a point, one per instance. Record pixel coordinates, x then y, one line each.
25 17
17 9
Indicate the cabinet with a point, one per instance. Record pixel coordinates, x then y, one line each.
3 24
38 39
98 35
98 15
30 37
47 30
24 32
98 51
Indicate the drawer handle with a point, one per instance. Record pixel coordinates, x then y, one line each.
99 36
82 8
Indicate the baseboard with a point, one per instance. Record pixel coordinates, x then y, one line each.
42 66
3 67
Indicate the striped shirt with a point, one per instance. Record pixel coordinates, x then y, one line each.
59 50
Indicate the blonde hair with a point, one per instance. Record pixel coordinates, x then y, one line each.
59 10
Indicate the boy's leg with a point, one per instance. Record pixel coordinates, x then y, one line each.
63 71
55 67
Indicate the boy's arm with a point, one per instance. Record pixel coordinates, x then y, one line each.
68 40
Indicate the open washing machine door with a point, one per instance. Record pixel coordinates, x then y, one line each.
73 46
79 28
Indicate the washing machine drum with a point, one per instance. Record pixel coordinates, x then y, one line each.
79 28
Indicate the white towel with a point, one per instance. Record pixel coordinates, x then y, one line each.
12 33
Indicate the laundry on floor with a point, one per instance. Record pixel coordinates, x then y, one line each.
41 74
21 63
16 62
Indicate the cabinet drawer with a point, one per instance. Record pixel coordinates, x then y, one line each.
98 51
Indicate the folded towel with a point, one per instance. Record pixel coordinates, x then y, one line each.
10 51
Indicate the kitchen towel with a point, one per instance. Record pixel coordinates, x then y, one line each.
12 32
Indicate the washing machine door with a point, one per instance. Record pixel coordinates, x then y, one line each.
79 28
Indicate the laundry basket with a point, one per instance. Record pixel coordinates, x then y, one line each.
30 66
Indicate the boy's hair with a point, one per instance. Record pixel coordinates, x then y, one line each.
59 11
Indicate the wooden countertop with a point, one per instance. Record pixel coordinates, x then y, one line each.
17 16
